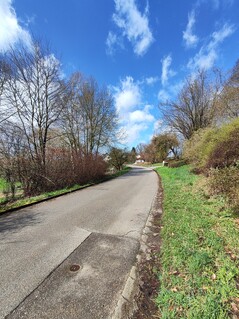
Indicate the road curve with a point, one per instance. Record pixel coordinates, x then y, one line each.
34 241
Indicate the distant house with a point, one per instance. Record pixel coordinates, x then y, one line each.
139 159
106 157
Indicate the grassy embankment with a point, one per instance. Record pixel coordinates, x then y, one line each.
20 201
199 253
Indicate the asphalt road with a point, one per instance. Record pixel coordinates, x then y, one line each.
98 228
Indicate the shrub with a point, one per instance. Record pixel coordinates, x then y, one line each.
197 149
62 169
226 152
214 147
225 181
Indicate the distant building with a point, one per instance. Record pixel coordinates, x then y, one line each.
139 159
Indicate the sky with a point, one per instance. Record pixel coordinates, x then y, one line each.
142 50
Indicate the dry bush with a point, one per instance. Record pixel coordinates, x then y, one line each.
62 170
225 181
225 152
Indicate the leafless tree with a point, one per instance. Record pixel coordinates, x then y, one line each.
35 94
228 102
89 120
195 106
4 76
71 118
98 115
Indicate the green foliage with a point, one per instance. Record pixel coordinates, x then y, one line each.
118 158
214 147
198 276
166 143
3 184
160 147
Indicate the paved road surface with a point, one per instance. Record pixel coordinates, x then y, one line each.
97 228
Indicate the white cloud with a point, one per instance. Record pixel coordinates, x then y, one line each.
217 3
170 92
134 115
127 95
110 42
208 54
166 71
134 25
220 35
190 39
10 30
140 116
151 80
134 132
163 95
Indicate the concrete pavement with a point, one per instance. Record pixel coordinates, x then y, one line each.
98 228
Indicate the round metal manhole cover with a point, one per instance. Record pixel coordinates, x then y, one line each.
74 267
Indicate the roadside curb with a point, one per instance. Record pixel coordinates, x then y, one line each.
46 199
127 303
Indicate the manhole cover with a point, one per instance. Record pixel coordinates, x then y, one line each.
74 267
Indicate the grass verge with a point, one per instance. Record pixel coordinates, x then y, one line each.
2 185
22 202
199 252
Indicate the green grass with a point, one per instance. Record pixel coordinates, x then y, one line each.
2 185
20 202
199 252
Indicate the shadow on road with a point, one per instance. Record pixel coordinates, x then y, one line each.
14 222
137 171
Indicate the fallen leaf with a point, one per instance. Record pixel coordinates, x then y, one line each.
234 307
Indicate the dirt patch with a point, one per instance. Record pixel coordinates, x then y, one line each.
149 262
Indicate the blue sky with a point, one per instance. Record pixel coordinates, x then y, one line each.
141 49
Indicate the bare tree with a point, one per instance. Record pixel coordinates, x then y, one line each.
228 102
98 116
4 76
89 119
71 118
195 106
35 94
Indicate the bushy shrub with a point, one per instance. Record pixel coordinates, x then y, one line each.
62 169
225 181
214 147
226 151
197 149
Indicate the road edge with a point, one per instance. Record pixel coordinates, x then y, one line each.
127 304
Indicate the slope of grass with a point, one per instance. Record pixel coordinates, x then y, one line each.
199 252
